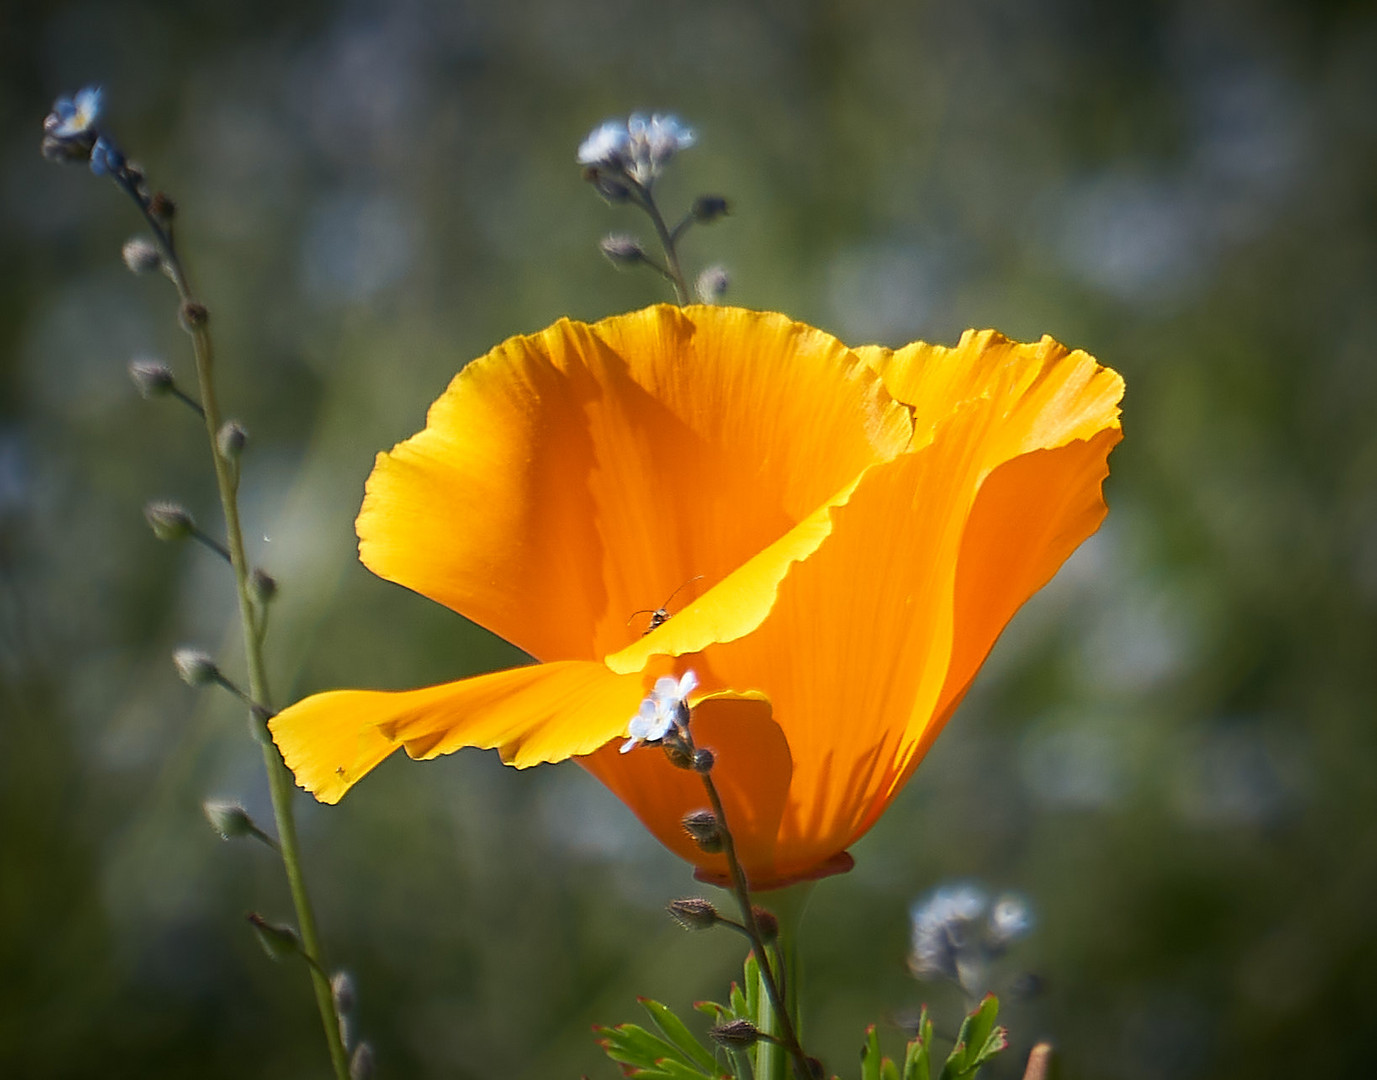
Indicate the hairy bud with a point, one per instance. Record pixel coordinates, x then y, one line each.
693 913
140 256
229 819
703 826
195 667
703 760
342 992
152 378
169 521
735 1034
231 439
194 315
278 941
709 208
361 1062
712 284
766 923
264 586
622 249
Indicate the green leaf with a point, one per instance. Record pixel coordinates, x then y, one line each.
753 989
674 1030
628 1044
870 1055
918 1059
740 1009
978 1040
669 1069
711 1008
888 1070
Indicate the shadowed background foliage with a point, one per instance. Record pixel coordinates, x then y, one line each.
1171 751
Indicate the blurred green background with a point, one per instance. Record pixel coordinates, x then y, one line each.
1171 752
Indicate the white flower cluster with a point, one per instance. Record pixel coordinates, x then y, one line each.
637 148
659 713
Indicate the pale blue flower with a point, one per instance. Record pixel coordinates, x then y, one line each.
662 711
73 116
637 148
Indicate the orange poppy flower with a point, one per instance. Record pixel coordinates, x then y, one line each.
851 529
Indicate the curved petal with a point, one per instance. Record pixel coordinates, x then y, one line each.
752 775
861 692
545 712
570 478
1043 394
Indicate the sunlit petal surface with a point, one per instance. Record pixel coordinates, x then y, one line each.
845 533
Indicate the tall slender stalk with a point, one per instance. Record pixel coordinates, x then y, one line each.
280 782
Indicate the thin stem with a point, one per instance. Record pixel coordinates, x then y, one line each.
667 242
741 889
280 782
209 541
189 401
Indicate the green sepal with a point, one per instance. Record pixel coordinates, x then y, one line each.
740 1008
679 1035
977 1042
918 1058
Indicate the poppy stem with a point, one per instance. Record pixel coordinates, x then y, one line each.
771 970
280 782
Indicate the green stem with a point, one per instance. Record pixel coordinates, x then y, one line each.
667 244
280 782
777 1020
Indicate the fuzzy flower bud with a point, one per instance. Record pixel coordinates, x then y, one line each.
361 1062
162 208
264 586
342 992
693 913
140 256
195 667
169 521
767 923
709 208
278 941
702 825
622 250
194 316
229 819
231 440
152 378
735 1034
703 760
712 284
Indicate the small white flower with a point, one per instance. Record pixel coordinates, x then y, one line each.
940 925
606 146
638 148
659 713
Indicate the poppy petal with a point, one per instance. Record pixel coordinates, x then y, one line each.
569 478
752 773
860 693
545 712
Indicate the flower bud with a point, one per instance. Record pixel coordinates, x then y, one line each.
195 667
703 826
152 378
614 191
194 315
703 760
712 284
231 439
735 1034
342 992
229 819
169 521
677 751
693 913
766 923
264 586
622 249
709 208
361 1062
278 941
162 208
140 256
